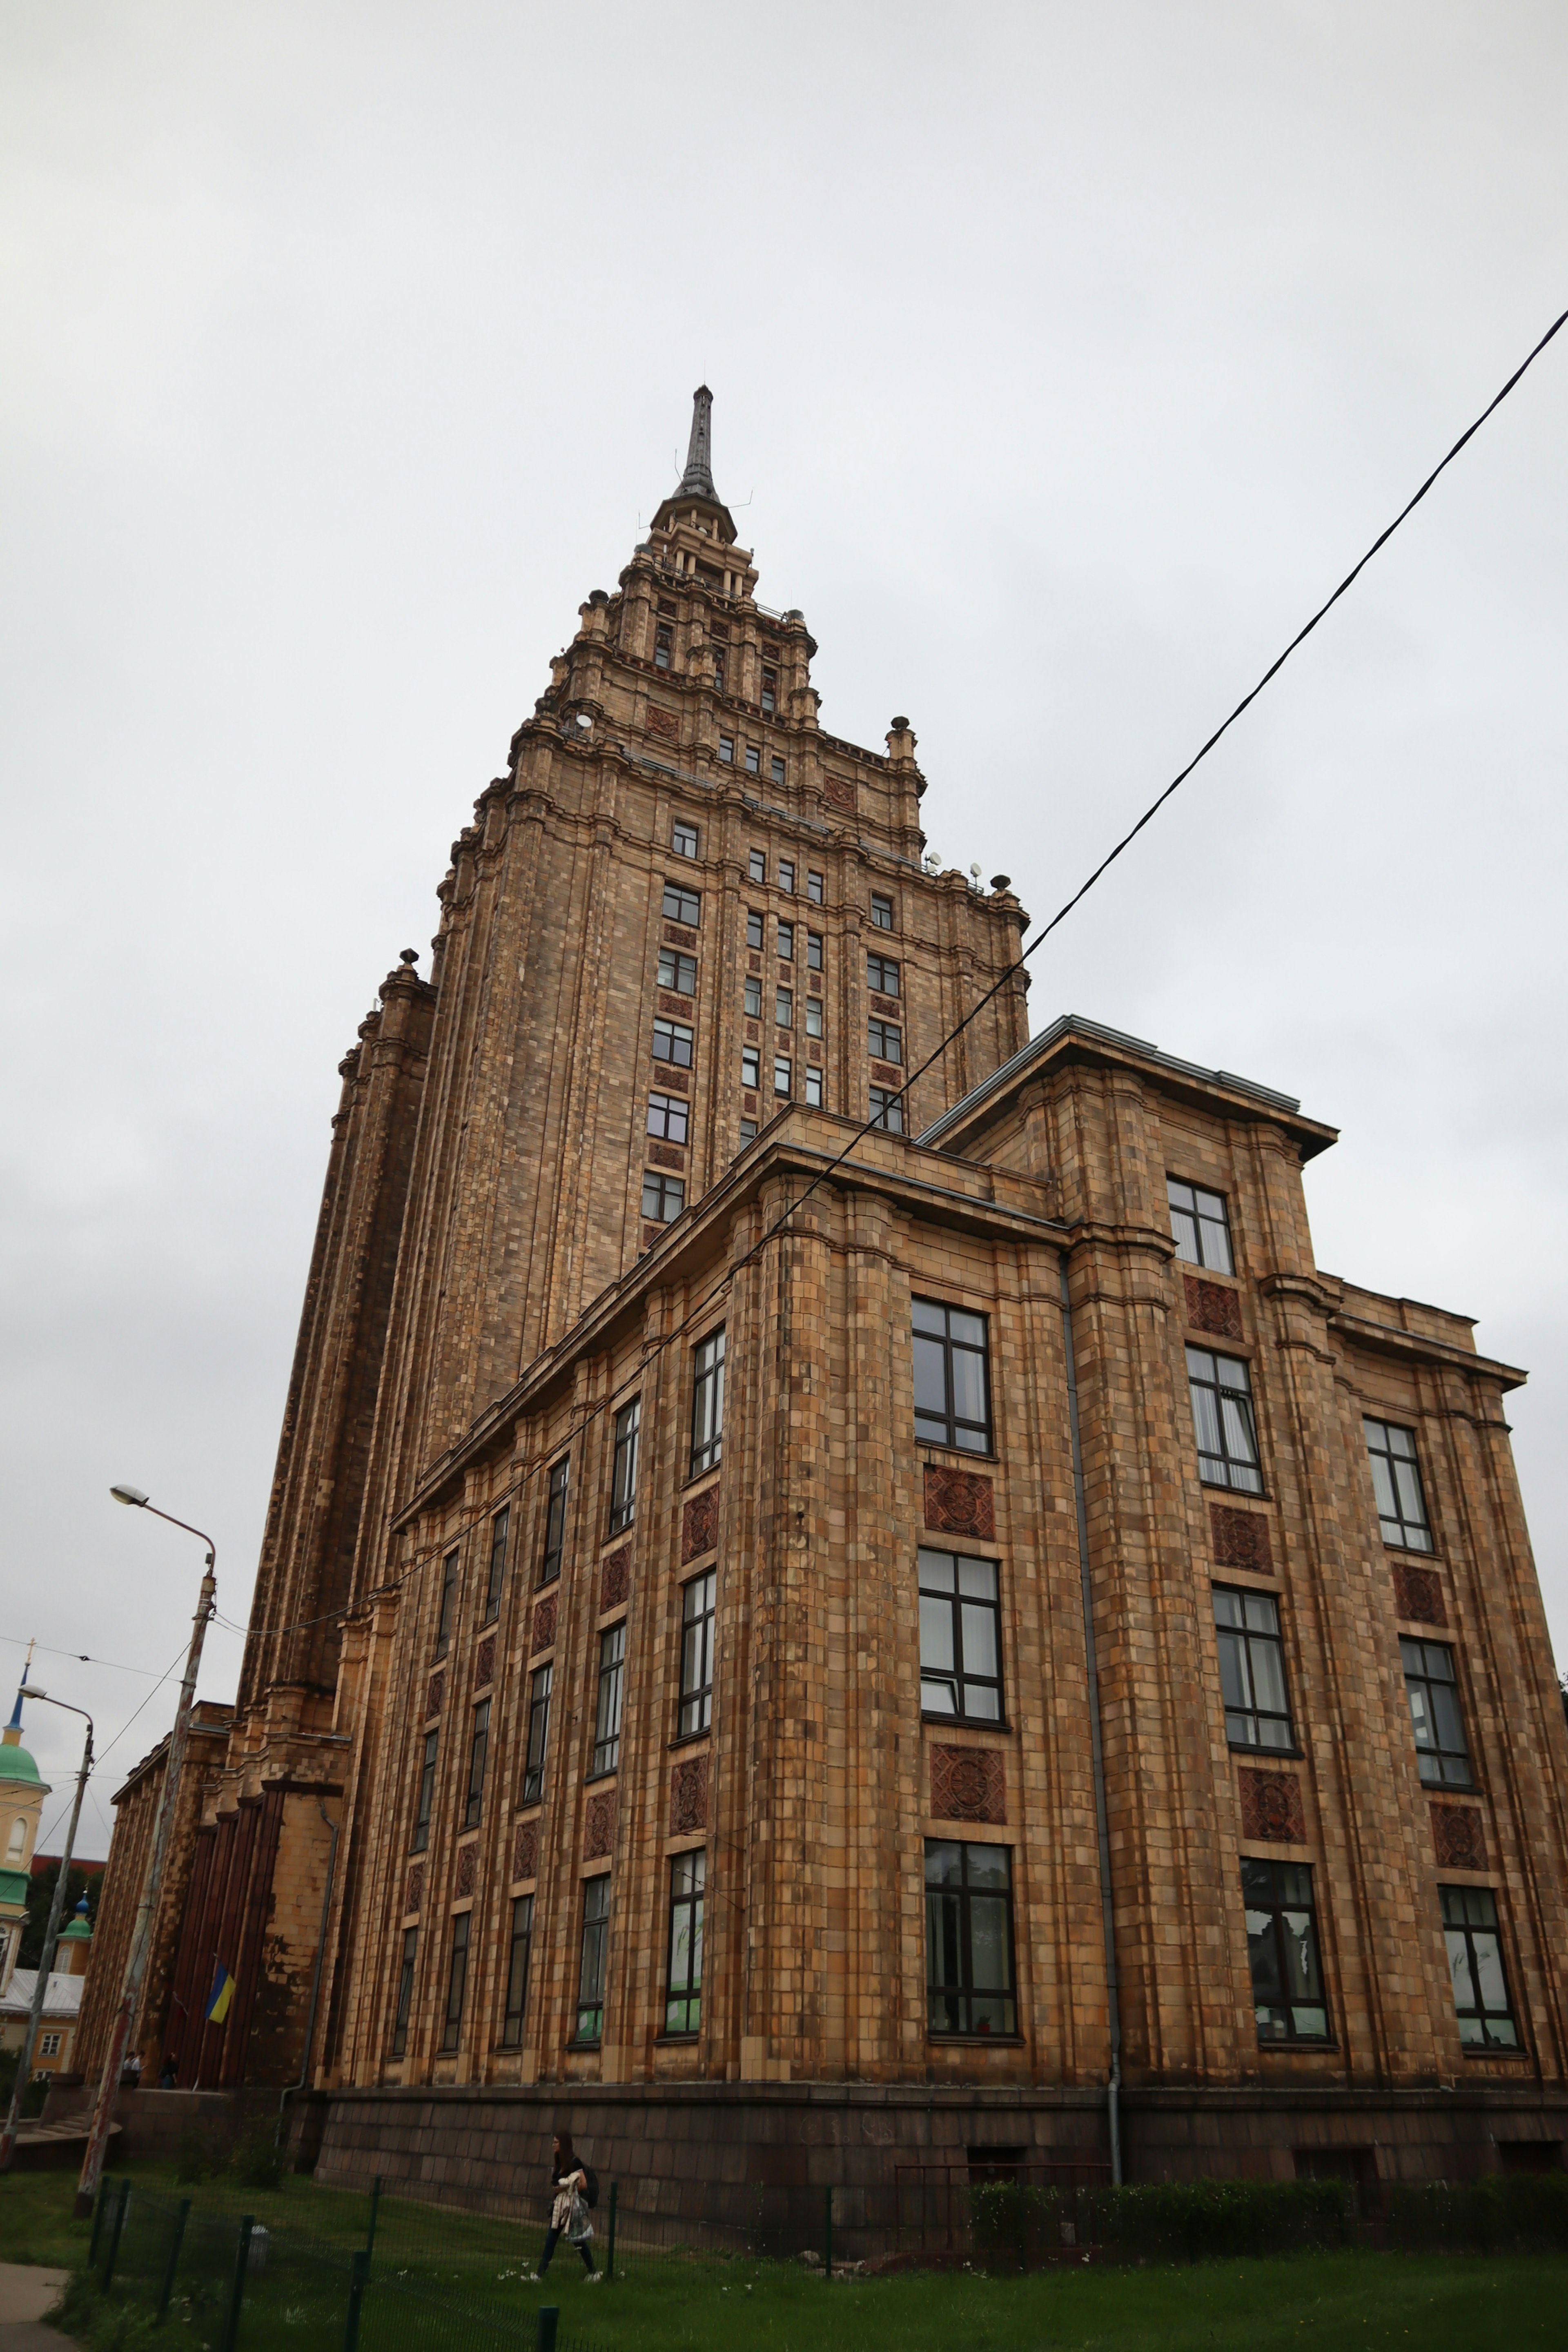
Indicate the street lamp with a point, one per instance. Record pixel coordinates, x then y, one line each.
142 1933
51 1933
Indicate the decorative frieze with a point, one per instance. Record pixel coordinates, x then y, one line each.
968 1784
435 1691
1240 1539
468 1867
960 1502
1211 1308
689 1795
413 1888
1459 1836
543 1624
485 1662
1271 1806
525 1850
699 1525
1418 1594
599 1826
615 1578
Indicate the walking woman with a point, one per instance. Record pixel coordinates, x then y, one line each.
570 2182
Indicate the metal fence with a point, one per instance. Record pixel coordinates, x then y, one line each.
936 2205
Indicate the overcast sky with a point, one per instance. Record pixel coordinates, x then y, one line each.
1063 358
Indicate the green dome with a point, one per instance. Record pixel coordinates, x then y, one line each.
79 1932
16 1764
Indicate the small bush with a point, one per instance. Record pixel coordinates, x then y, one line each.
1014 2227
257 2161
1504 2212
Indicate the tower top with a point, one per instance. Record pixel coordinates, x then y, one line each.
696 499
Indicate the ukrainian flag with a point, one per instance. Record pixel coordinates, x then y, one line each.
221 1995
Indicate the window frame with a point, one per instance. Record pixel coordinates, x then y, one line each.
536 1755
958 1945
1463 1930
681 834
816 888
1197 1218
767 691
500 1529
479 1756
885 1041
707 1403
451 1571
882 913
456 1983
786 877
953 1420
699 1611
424 1802
887 1109
624 1465
784 928
784 1008
1280 1903
595 1925
665 1189
1412 1533
756 931
752 1067
784 1077
683 899
726 748
814 1096
876 969
606 1753
669 1032
680 964
1230 1464
519 1956
403 2005
955 1603
814 950
752 995
1438 1750
775 768
663 644
1235 1644
667 1105
757 867
557 1495
686 1902
754 760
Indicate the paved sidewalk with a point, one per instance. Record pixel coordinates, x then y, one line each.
26 2292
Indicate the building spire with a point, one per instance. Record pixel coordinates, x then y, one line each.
698 477
13 1729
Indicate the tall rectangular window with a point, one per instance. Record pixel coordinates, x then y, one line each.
786 875
952 1377
814 887
814 950
682 905
1474 1964
753 759
754 930
456 1983
751 1066
753 996
499 1526
427 1798
591 1969
623 1480
1222 1416
663 646
668 1116
1282 1945
748 1131
479 1747
881 913
726 747
814 1089
961 1637
696 1652
885 1041
888 1109
776 768
611 1682
784 1008
555 1521
672 1043
1199 1226
969 1938
448 1604
1433 1689
404 1992
683 840
688 1884
770 691
882 974
1396 1475
814 1016
663 1197
541 1683
520 1950
757 866
1252 1669
787 942
782 1075
677 972
708 1403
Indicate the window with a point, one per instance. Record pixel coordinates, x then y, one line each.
886 1041
1474 1964
1282 1946
814 1089
719 667
776 768
683 2001
753 998
607 1722
404 1992
786 864
782 1073
753 759
814 1016
707 1404
814 950
541 1684
624 1484
882 974
663 1197
448 1604
668 1116
1434 1692
814 891
758 868
770 691
726 742
754 930
457 1982
522 1946
787 942
591 1973
881 913
953 1385
555 1522
748 1131
682 906
499 1526
784 1008
961 1637
1198 1223
677 972
887 1111
683 840
696 1652
49 2045
1222 1416
1252 1670
663 646
479 1747
751 1066
672 1043
1396 1475
427 1798
969 1938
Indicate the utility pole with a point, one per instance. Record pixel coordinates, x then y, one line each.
51 1933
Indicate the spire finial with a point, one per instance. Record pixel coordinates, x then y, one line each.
699 474
16 1723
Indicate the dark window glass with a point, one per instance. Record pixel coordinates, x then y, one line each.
751 1066
591 1973
814 1089
753 930
1282 1945
688 1884
953 1378
708 1403
776 770
696 1652
748 1131
886 1041
770 691
882 974
498 1526
541 1683
718 670
404 1992
1434 1691
786 869
887 1111
1222 1416
782 1075
522 1946
1474 1964
1198 1222
784 1008
787 942
814 891
754 997
961 1637
753 759
814 1016
478 1749
624 1484
881 913
683 840
758 868
663 647
427 1799
555 1522
457 1982
814 950
448 1604
1396 1475
727 747
663 1197
672 1043
677 972
682 905
969 1938
607 1720
668 1116
1252 1669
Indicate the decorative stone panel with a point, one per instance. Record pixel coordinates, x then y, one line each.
663 723
414 1890
1271 1806
839 794
544 1624
485 1662
688 1796
887 1006
960 1502
968 1784
699 1525
468 1867
675 935
666 1155
681 1007
1211 1308
1418 1594
753 963
1240 1539
673 1081
434 1690
886 1076
599 1835
1459 1836
525 1850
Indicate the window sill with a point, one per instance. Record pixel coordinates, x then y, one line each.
545 1582
1293 2042
689 1738
1247 1494
675 2040
1264 1755
1410 1552
965 1722
607 1774
694 1477
986 2041
1494 2051
585 2046
955 1453
625 1527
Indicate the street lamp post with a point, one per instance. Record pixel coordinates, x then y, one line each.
142 1933
51 1936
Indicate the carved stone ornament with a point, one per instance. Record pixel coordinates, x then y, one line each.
960 1502
1271 1806
599 1836
666 1155
968 1784
616 1577
839 794
699 1525
414 1892
1240 1539
485 1662
467 1866
675 935
1459 1836
663 723
434 1690
543 1624
1418 1594
688 1796
1211 1308
525 1850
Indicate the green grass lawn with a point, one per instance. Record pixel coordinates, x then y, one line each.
1445 2304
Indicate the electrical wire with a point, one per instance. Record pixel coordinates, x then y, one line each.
80 1656
119 1735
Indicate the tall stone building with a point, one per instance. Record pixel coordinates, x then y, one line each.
832 1647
